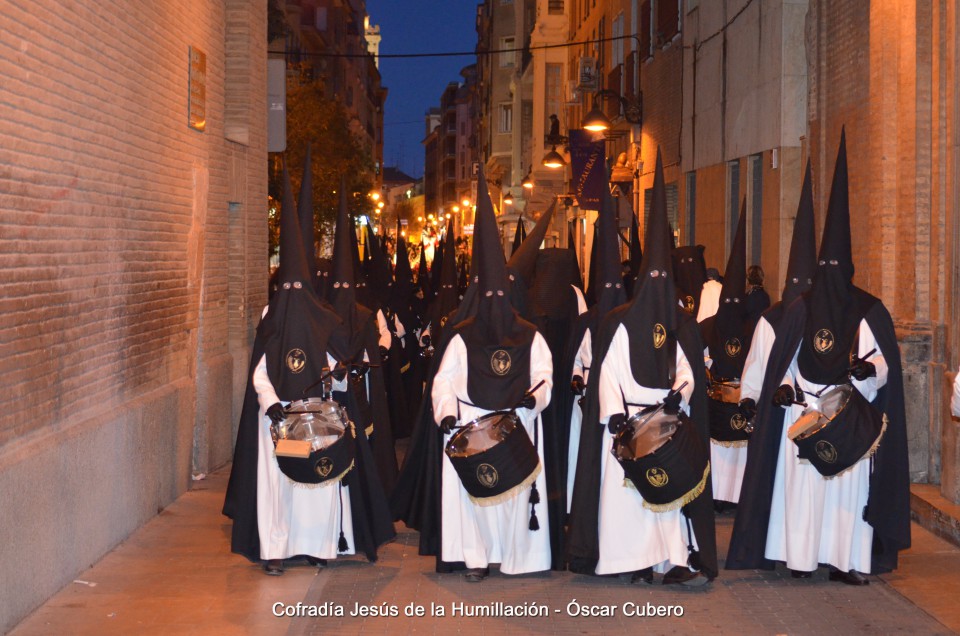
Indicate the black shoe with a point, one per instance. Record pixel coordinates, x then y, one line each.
850 578
320 563
475 575
273 567
800 574
681 575
644 576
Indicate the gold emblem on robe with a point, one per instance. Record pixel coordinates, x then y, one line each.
823 341
487 475
500 362
659 335
657 477
296 360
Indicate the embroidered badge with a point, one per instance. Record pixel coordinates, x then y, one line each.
296 360
826 451
487 475
690 303
738 422
659 335
324 467
500 362
823 341
657 477
733 347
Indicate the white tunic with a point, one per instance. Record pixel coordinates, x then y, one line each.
294 519
816 520
481 535
631 536
727 463
709 299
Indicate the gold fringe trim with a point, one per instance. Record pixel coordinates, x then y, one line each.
695 492
870 452
510 494
367 431
737 444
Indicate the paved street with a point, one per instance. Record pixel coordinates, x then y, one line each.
176 575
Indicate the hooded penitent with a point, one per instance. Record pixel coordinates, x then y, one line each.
833 313
447 298
380 282
690 273
423 275
591 293
523 262
400 301
496 325
297 326
305 213
341 291
729 332
652 313
636 254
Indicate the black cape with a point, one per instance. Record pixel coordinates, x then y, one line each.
583 549
372 526
888 504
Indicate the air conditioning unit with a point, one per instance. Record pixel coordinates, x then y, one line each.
573 93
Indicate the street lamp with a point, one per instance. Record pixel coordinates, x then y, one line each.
528 181
553 159
508 199
597 121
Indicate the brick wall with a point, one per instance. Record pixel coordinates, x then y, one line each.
132 266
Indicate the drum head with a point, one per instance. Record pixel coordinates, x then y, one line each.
482 434
835 400
320 422
644 434
728 392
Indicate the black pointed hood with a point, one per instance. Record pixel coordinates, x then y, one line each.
496 338
591 294
518 235
636 252
359 271
728 333
448 297
524 260
834 309
651 316
802 264
342 287
690 273
423 274
609 284
379 280
305 212
298 329
403 278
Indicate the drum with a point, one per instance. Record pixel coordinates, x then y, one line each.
841 431
727 426
493 457
664 458
316 442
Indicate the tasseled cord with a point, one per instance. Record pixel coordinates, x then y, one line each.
534 493
342 544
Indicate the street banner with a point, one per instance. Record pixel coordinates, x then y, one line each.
587 153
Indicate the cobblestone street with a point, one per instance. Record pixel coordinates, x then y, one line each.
177 575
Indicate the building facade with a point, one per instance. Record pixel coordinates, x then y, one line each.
134 268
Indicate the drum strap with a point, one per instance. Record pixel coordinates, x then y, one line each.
854 349
671 375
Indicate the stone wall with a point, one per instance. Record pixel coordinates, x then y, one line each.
132 269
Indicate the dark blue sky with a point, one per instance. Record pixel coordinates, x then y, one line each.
418 26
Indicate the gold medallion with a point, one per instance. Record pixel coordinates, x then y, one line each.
738 422
826 451
659 335
690 303
324 467
823 341
296 360
657 477
500 362
487 475
733 347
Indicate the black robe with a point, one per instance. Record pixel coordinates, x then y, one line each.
372 526
583 549
888 504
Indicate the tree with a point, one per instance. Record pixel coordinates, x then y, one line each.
337 153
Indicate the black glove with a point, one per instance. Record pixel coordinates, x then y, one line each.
275 413
861 369
360 370
748 408
339 373
528 402
783 396
447 424
616 423
384 354
671 403
425 340
577 385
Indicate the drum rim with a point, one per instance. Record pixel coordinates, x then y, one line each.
848 389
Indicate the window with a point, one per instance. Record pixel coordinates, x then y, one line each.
616 44
506 118
691 224
555 7
668 20
645 30
733 202
755 218
508 57
553 93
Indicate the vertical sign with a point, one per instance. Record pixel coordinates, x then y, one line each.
276 105
197 115
587 158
